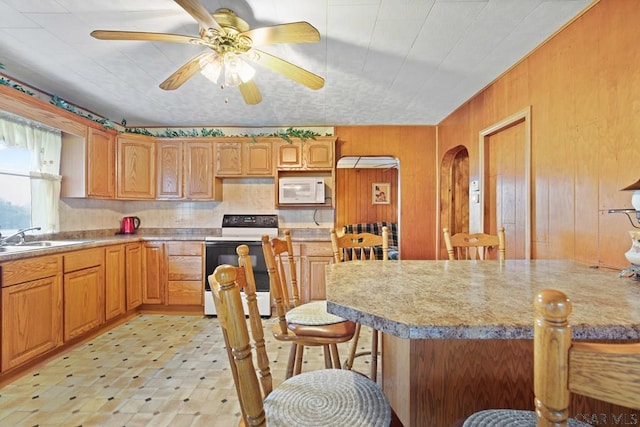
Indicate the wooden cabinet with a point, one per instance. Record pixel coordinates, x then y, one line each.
314 256
169 160
185 171
88 164
136 174
309 154
114 281
133 275
154 275
185 273
31 309
244 158
84 291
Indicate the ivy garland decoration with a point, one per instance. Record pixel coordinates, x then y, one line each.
287 134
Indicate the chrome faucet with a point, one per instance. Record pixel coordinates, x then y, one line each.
3 240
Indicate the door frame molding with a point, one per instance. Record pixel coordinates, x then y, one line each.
522 116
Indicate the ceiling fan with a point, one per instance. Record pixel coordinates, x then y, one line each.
232 44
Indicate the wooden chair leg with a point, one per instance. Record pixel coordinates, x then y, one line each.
335 356
353 348
327 356
299 354
374 356
291 361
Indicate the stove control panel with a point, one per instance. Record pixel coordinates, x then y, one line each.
250 221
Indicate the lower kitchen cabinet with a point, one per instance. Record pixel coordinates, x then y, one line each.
185 273
133 275
84 290
114 282
154 273
31 320
314 256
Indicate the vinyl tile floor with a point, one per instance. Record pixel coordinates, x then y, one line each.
154 370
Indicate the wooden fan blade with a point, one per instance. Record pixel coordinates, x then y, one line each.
294 32
250 92
287 69
153 37
184 73
200 14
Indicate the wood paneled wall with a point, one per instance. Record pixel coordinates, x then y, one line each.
415 148
354 190
583 87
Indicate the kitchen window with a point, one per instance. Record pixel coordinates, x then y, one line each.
29 175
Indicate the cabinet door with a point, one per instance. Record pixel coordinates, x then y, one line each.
289 155
31 320
101 164
133 273
169 158
314 257
258 159
136 167
83 301
154 277
318 154
228 158
199 180
115 282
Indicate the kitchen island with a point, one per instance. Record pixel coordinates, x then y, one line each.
457 335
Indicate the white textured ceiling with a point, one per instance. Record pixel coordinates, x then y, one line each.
384 61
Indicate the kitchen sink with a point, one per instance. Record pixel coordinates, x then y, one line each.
39 244
48 243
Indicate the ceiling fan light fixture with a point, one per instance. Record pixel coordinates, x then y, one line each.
236 70
211 69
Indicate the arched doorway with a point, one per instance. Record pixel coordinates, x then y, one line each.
454 193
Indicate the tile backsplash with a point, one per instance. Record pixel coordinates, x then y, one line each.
240 196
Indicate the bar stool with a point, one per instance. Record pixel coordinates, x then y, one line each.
361 246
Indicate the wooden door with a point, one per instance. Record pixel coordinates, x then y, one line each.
136 167
505 189
133 273
154 276
229 158
101 164
169 170
115 281
31 320
198 170
83 301
258 159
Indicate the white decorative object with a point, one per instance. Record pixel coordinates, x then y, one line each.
633 254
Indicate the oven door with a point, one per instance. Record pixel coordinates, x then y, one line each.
224 252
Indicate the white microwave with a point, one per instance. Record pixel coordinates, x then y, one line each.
301 190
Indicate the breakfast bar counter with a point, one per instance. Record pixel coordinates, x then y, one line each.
457 335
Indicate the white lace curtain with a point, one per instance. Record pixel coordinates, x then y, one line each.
45 145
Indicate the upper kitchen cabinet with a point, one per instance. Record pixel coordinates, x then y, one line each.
88 164
311 154
185 171
243 158
135 166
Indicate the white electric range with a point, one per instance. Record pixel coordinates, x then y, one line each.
237 230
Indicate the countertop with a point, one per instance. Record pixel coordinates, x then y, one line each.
95 238
480 299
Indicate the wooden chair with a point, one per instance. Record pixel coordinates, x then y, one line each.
607 372
360 246
346 396
474 246
306 324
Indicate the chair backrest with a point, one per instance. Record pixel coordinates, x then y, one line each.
226 282
278 257
474 246
359 246
607 372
